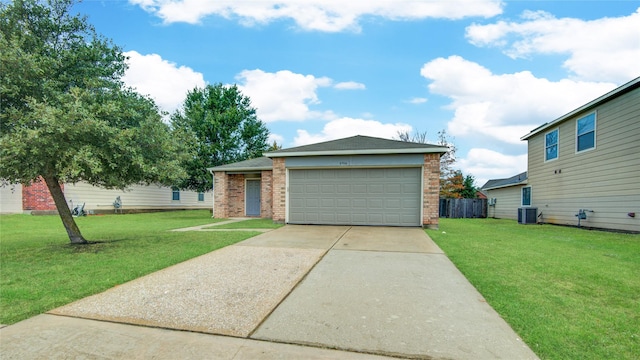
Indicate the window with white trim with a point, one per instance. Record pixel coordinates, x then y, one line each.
551 145
586 132
200 196
526 196
175 194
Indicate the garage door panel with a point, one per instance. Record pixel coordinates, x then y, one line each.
328 188
359 203
376 204
359 188
327 203
355 196
393 204
327 217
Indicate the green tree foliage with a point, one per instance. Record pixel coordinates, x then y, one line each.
220 127
274 146
458 186
470 189
66 115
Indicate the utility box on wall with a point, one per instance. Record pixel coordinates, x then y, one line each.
527 215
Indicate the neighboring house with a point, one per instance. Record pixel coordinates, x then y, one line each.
584 167
36 199
505 196
10 199
353 181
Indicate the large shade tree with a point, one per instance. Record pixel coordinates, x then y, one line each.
221 127
66 115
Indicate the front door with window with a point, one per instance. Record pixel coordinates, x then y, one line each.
252 192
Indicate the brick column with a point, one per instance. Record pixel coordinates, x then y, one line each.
431 194
235 195
220 195
266 194
279 190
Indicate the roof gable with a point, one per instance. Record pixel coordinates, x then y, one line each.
357 145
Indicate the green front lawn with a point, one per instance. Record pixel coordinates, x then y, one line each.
40 270
569 293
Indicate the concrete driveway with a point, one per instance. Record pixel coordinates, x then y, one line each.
295 292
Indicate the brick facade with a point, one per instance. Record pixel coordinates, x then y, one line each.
266 194
431 193
229 192
220 195
229 195
279 190
37 197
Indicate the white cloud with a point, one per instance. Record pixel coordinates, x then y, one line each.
417 100
605 49
275 137
350 85
346 127
485 164
282 95
503 107
166 82
318 15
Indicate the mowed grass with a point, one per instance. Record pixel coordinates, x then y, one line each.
569 293
40 270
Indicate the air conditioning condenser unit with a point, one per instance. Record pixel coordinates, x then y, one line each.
527 215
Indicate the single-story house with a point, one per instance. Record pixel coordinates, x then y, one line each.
358 180
505 196
35 198
583 167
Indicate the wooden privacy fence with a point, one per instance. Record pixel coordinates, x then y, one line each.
463 208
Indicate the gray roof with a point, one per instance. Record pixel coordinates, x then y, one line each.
261 163
359 145
500 183
631 85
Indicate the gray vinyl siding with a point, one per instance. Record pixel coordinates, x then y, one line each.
11 199
507 203
605 179
136 197
365 161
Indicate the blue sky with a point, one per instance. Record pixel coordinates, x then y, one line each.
486 71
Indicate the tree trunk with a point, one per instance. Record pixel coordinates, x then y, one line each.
65 213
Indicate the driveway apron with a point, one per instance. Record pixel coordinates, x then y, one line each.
395 294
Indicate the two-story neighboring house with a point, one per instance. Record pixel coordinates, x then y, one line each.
584 167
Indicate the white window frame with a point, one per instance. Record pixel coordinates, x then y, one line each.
522 196
557 145
200 196
595 127
173 193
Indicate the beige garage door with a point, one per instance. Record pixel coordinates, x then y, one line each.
388 196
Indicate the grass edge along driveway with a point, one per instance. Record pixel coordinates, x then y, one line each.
40 270
569 293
